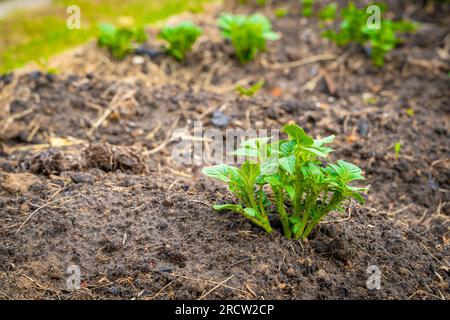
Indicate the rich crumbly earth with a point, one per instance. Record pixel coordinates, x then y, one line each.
87 177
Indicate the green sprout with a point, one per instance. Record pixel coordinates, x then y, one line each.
180 38
250 91
307 8
397 148
410 112
354 28
281 12
248 34
120 39
304 190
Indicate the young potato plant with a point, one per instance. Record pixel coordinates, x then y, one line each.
120 39
248 34
354 28
180 38
304 190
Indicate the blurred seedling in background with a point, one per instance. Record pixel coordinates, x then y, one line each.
180 38
251 90
307 7
281 12
397 148
248 34
121 39
328 13
410 112
353 27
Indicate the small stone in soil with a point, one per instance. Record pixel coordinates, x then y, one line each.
7 78
432 183
167 202
220 119
363 127
272 113
81 177
34 75
72 78
147 51
50 77
137 60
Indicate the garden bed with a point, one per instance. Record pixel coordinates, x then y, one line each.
108 197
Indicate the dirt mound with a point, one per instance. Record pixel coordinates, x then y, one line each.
111 158
133 235
103 156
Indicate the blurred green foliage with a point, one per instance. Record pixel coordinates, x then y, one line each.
32 35
355 28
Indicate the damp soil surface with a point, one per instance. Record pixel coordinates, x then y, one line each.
87 176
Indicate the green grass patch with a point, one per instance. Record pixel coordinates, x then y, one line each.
38 34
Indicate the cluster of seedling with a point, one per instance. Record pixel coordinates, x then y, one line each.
290 175
247 34
355 27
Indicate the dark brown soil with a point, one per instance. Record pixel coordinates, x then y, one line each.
86 176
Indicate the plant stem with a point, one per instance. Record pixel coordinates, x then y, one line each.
309 228
298 187
306 214
263 224
335 199
282 212
261 207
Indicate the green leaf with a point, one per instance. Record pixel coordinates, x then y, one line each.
298 134
271 36
246 152
252 212
324 141
228 207
316 151
288 147
274 180
250 172
348 171
358 197
290 191
107 29
221 172
254 142
250 91
288 164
